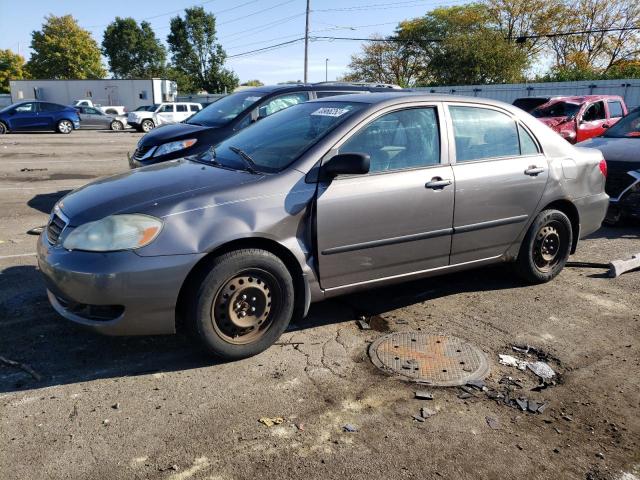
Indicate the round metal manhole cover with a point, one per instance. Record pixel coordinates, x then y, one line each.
435 359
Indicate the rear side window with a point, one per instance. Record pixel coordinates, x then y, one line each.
481 133
399 140
194 108
615 109
527 145
50 107
181 108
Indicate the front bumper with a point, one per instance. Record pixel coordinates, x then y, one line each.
627 203
140 292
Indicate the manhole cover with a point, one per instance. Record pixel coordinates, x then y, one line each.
436 359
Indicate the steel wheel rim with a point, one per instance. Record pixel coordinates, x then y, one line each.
245 306
146 126
548 245
65 126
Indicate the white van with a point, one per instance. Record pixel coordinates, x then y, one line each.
161 114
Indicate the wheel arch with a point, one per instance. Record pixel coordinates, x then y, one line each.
302 294
569 209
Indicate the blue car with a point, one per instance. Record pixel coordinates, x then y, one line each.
34 115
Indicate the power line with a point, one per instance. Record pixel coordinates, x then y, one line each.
265 26
270 47
523 38
258 12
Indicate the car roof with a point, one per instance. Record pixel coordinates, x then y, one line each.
402 96
319 87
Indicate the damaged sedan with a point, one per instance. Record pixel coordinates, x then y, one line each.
321 199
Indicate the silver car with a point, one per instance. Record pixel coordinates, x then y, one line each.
321 199
93 118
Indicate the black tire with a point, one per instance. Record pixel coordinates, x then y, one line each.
147 126
243 303
546 247
64 126
3 129
117 125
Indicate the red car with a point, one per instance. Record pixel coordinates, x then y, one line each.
579 118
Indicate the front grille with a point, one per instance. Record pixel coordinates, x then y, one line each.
54 228
141 152
617 182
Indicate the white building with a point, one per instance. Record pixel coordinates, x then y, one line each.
130 93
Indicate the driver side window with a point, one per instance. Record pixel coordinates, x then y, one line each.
26 108
595 111
399 140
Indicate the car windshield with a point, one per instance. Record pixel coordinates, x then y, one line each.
274 143
627 127
8 107
556 109
226 109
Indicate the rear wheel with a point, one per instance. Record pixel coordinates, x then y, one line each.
243 304
3 128
65 126
147 125
545 248
116 125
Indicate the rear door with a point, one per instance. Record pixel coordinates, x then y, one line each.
395 220
615 112
592 121
500 176
182 112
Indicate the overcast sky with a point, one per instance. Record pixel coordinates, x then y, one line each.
243 25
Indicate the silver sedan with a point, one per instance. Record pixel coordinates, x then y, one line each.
93 118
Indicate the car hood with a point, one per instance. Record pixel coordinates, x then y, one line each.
170 132
623 151
155 190
554 121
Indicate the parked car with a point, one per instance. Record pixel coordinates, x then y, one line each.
229 115
108 109
93 118
620 146
35 115
580 118
323 198
162 114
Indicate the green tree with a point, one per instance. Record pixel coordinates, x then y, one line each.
11 68
64 50
252 83
195 51
133 51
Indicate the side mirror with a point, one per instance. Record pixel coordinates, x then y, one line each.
346 164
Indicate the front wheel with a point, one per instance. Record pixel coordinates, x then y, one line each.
147 125
3 128
116 125
65 126
545 248
243 304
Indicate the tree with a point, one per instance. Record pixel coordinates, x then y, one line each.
64 50
195 51
11 68
386 62
252 83
133 51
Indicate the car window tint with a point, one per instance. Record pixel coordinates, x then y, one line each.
615 109
181 108
482 133
398 140
283 101
594 112
25 108
194 108
527 144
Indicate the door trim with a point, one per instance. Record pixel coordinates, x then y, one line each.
388 241
490 224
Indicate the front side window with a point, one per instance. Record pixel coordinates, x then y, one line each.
615 109
594 112
166 109
399 140
481 133
26 108
280 103
91 111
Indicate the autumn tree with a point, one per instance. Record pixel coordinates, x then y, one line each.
62 49
11 68
196 53
133 51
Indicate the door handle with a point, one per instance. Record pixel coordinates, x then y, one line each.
534 171
437 183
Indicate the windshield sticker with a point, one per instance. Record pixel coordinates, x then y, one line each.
330 112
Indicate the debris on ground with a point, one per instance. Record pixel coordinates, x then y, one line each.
477 384
116 406
35 230
427 412
511 361
418 418
300 426
26 169
270 422
492 422
542 370
465 395
22 366
423 395
363 324
349 428
618 267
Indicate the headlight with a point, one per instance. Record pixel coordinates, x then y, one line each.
174 146
115 232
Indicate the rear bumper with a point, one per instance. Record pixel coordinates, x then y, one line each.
591 210
116 293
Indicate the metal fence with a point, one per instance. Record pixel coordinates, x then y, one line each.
629 89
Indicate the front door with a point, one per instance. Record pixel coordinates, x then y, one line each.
500 176
24 117
165 114
397 219
591 122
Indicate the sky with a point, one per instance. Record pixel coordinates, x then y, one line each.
243 25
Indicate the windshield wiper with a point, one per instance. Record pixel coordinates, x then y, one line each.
248 161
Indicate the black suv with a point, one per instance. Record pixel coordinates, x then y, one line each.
230 114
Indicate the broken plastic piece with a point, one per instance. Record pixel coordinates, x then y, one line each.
512 361
423 395
349 428
542 370
618 267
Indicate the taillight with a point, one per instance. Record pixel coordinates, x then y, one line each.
603 167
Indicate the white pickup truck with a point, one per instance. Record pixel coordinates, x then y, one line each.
160 114
110 109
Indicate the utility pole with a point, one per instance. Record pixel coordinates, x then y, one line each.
326 69
306 43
